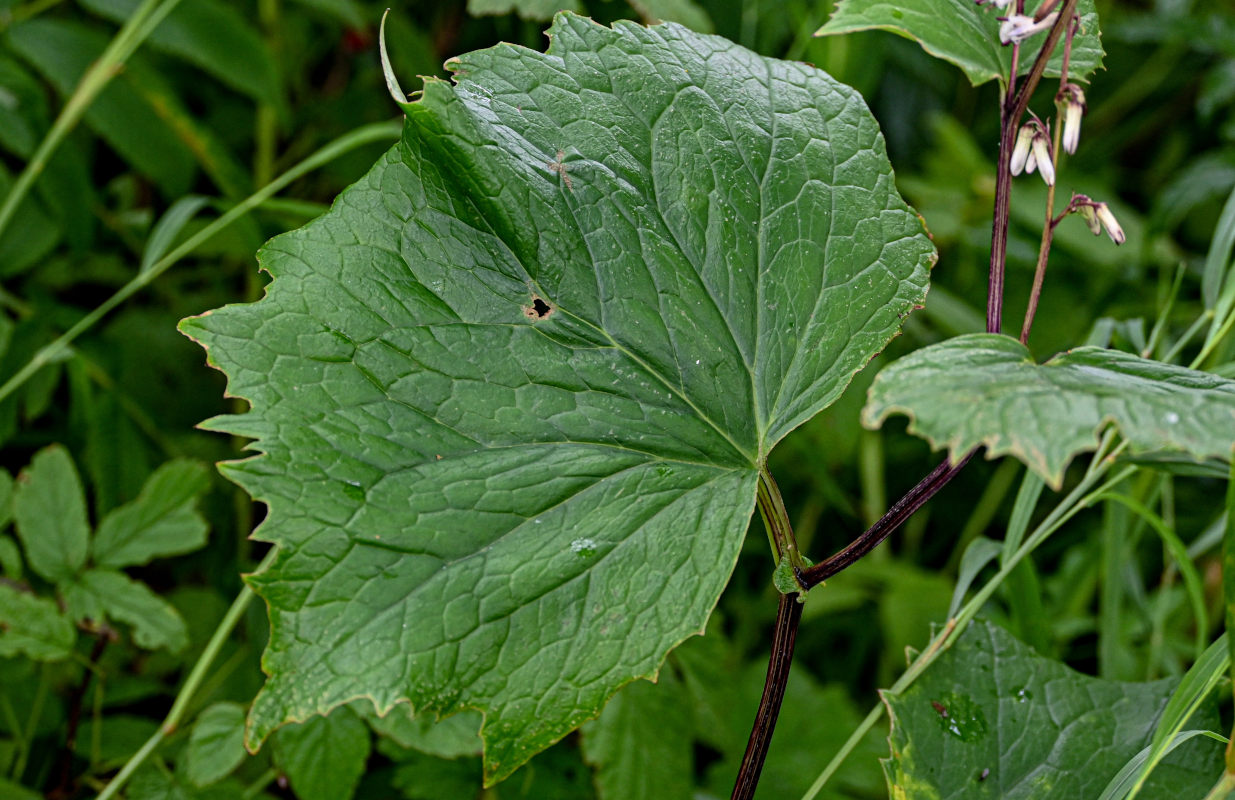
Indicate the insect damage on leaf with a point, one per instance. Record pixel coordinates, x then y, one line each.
538 309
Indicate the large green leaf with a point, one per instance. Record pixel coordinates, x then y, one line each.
993 719
513 392
967 35
985 389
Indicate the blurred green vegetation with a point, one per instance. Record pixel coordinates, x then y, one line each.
225 96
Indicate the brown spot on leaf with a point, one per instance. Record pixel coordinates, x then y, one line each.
538 309
561 169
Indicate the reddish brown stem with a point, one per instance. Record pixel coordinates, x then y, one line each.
1011 112
784 636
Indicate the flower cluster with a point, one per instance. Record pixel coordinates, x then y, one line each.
1033 151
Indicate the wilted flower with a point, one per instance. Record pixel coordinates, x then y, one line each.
1033 151
1072 99
1018 27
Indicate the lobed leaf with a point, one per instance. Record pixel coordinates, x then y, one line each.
993 719
967 35
512 394
104 594
162 521
985 389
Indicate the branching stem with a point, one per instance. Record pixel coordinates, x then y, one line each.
1011 111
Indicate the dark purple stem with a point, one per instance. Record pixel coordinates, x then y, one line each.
784 636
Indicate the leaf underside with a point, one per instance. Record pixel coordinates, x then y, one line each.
993 719
967 35
985 389
511 394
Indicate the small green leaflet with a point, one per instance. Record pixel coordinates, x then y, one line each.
967 35
985 389
512 393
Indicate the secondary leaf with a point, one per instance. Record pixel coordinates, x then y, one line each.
213 36
101 594
216 745
513 392
325 756
32 626
642 744
162 521
992 719
50 509
985 389
967 35
451 737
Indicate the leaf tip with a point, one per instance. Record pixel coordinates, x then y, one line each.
392 82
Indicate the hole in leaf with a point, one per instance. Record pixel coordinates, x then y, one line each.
538 310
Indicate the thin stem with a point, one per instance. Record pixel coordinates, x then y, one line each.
1048 233
1182 342
900 511
76 699
191 684
1011 110
52 352
1070 506
784 636
776 520
135 30
1223 788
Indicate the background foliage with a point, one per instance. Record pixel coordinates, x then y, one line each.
225 96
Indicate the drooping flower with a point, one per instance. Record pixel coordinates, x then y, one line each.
1097 216
1023 149
1072 101
1018 27
1110 223
1033 151
1042 155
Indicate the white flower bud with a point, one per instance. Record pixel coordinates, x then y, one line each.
1073 101
1021 152
1110 223
1042 155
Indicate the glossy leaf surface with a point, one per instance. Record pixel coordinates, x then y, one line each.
993 719
985 389
512 393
